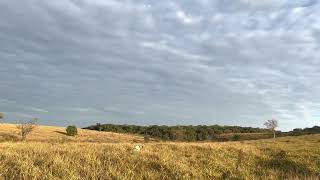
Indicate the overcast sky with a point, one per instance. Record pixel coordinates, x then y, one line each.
228 62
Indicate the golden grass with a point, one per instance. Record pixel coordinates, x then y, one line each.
58 134
41 158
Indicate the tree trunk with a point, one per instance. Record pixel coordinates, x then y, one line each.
274 134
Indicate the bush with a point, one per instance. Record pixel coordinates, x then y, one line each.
72 130
236 137
27 127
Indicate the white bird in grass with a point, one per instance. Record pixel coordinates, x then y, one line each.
138 147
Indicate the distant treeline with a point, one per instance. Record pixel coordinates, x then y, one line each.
200 133
186 133
299 131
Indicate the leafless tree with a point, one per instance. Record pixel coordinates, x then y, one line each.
272 125
1 117
27 127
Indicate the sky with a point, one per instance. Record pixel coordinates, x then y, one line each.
227 62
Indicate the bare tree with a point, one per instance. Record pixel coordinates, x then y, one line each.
1 117
272 125
27 127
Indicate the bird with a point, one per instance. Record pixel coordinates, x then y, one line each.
138 147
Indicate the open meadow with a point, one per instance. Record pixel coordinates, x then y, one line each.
160 90
48 153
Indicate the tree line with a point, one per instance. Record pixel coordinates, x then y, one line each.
181 133
299 131
203 132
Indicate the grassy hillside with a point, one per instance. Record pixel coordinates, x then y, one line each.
9 132
46 157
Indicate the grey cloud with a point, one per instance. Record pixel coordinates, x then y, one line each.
160 62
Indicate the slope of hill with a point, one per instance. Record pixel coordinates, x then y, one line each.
43 156
58 134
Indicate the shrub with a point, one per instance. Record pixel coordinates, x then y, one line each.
1 117
72 130
236 137
27 127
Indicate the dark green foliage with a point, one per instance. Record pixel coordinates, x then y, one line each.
99 127
184 133
236 137
1 117
200 132
72 131
299 131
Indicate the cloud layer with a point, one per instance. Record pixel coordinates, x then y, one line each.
160 62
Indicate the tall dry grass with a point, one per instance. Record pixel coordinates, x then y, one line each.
58 134
287 158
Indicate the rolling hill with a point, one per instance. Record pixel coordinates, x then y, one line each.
58 134
49 154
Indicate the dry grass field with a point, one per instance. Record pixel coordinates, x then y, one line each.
49 154
9 132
